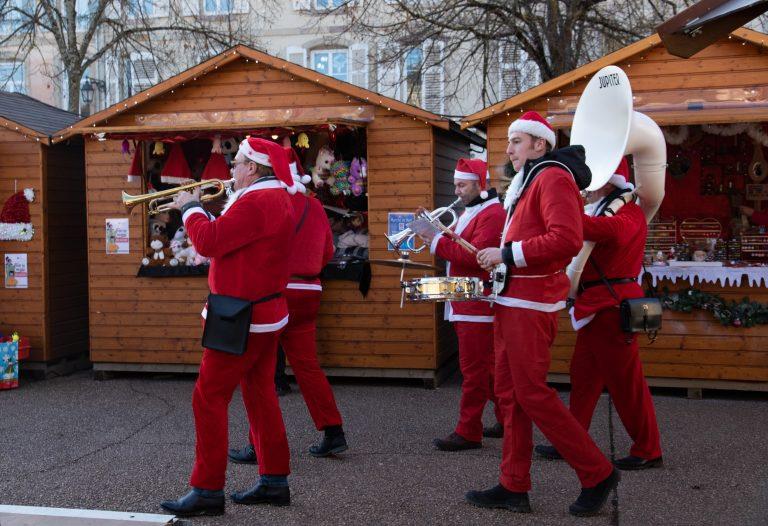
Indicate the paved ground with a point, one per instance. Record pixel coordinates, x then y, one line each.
127 443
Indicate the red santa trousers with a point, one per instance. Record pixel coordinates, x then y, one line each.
220 373
603 358
476 364
298 342
522 339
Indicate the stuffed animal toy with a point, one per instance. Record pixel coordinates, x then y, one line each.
358 173
158 254
321 172
340 176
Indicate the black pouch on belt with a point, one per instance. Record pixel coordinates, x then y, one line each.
228 322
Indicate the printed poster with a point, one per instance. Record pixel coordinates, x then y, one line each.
117 235
397 222
16 271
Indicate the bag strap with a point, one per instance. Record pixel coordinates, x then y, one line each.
303 216
605 280
267 298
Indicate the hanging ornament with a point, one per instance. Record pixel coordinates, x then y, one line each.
159 149
126 146
216 148
135 172
15 221
676 138
302 141
176 170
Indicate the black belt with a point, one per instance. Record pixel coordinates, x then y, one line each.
267 298
612 281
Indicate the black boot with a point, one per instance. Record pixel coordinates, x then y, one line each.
500 497
194 504
246 455
333 443
455 442
590 500
548 452
494 431
632 463
260 494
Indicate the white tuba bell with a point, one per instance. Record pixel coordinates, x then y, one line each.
608 128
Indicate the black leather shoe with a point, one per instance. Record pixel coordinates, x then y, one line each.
547 452
455 442
632 463
260 494
590 500
330 445
500 497
246 455
282 388
192 504
494 431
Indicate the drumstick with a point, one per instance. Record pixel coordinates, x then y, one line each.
453 235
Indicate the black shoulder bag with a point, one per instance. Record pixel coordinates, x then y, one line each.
636 314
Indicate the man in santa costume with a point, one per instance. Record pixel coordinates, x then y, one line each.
246 244
480 224
312 249
542 234
606 356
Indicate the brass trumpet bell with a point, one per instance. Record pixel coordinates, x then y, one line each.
158 202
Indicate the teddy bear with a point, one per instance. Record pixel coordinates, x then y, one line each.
321 171
358 173
158 254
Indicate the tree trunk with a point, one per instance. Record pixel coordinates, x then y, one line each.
73 84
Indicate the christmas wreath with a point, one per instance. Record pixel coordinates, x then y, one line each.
744 313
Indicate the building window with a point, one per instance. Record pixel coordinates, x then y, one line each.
142 72
329 4
332 62
12 77
139 8
218 7
13 16
413 78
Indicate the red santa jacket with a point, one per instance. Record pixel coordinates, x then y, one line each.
619 248
247 246
312 244
481 226
544 234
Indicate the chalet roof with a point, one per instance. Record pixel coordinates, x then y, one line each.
32 117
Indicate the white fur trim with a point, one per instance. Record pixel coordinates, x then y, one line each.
191 211
526 304
435 241
304 286
131 178
578 324
305 179
264 185
620 182
259 327
466 176
253 155
29 194
169 179
16 231
517 254
470 318
535 128
483 195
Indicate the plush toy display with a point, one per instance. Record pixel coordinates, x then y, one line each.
321 171
358 173
340 176
158 254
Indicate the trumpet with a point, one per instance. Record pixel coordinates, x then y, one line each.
433 217
158 202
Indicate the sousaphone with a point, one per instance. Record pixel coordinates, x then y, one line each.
608 127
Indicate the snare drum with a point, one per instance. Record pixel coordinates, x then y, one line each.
443 289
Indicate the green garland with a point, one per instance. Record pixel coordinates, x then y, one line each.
745 313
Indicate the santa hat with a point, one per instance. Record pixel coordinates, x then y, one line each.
268 153
534 124
135 172
15 221
297 171
216 168
176 170
473 170
620 179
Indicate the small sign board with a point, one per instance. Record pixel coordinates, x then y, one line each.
397 222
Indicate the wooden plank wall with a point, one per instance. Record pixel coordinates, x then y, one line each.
449 148
66 250
691 346
157 320
22 309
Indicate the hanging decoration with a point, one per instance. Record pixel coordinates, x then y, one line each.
15 221
678 137
176 170
744 313
135 172
159 149
302 141
752 129
216 147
